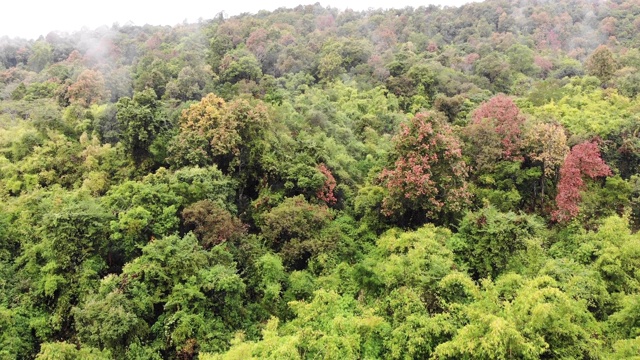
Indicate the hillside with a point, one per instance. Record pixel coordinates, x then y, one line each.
430 183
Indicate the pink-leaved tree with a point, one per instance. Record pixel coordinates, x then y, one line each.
429 174
583 161
326 192
508 123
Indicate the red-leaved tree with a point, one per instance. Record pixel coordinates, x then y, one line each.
429 174
326 192
583 161
508 123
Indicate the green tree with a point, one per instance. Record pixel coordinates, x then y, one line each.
141 121
546 144
294 229
239 64
416 260
330 66
230 135
41 56
521 59
143 212
496 69
70 252
330 326
66 351
488 240
601 64
16 340
190 83
108 320
540 321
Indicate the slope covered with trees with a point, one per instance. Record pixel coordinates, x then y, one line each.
443 183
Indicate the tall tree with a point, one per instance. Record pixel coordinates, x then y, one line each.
546 145
429 175
41 56
88 89
508 121
601 64
227 134
583 161
141 122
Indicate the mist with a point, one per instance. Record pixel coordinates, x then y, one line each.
33 19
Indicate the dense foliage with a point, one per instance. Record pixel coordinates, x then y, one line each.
430 183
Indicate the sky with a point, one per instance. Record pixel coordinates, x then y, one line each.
32 18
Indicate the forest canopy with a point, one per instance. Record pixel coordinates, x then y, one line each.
416 183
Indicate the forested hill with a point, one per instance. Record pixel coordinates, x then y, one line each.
308 183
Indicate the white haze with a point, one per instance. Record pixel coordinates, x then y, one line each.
31 19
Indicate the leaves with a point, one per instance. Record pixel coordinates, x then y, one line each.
583 161
318 183
601 63
141 122
429 174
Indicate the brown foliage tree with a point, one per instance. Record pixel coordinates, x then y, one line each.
211 223
89 89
